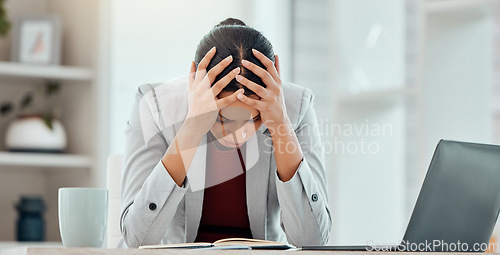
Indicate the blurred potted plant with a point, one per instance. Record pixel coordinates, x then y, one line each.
38 130
4 20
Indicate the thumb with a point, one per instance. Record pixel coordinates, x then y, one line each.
191 76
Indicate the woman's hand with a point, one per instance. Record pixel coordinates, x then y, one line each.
271 105
272 102
203 107
203 104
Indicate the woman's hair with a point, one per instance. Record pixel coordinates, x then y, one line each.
233 37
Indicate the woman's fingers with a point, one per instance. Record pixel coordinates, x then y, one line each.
257 104
206 59
223 102
267 63
277 64
259 71
217 69
202 66
259 90
191 76
222 83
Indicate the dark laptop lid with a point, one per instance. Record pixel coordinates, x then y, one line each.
458 204
459 200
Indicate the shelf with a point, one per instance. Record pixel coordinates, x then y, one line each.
13 244
375 96
436 6
45 71
44 160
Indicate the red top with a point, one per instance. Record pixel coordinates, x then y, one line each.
224 212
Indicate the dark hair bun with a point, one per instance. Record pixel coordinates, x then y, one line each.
231 21
233 37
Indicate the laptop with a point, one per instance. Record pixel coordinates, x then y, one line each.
458 204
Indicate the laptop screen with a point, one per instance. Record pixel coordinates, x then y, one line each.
459 201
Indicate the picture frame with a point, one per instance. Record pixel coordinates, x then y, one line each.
37 40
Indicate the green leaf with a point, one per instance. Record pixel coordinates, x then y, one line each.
26 101
51 88
47 119
4 20
4 26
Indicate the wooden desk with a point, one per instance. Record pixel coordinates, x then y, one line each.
95 251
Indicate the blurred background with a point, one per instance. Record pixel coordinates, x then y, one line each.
391 78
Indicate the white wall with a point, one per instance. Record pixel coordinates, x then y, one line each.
461 90
367 185
370 45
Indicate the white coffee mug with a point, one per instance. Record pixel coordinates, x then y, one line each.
83 215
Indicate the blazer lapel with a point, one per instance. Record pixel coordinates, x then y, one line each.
258 158
194 196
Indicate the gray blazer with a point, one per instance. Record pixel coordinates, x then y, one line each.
157 211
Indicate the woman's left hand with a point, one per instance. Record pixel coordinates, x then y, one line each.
272 102
273 113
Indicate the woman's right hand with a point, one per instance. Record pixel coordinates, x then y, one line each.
203 108
203 103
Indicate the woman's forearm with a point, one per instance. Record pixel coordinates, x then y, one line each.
180 153
287 149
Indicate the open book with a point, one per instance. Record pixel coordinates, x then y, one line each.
225 243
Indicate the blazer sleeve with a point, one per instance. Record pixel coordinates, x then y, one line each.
305 217
149 196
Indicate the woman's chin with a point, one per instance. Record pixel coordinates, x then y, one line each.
230 144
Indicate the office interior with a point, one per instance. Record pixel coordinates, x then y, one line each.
390 77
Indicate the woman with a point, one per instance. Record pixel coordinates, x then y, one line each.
229 151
